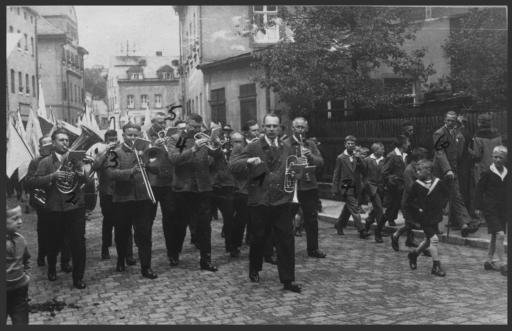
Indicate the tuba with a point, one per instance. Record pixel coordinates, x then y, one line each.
86 139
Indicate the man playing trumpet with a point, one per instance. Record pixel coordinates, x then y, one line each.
307 186
265 162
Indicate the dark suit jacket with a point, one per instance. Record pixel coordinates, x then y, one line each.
431 202
127 186
191 169
160 171
372 175
315 159
56 201
266 180
28 181
393 170
347 175
448 149
240 178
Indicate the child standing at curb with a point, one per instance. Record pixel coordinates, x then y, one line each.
425 203
491 201
17 265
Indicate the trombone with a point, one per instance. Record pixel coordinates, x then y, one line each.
143 172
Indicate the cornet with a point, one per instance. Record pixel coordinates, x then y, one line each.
211 144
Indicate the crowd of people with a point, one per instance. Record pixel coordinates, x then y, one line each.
260 180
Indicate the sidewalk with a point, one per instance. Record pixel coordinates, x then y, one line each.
479 239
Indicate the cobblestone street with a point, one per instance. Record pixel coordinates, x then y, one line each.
360 282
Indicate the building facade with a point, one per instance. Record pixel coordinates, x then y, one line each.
215 50
22 70
136 82
61 62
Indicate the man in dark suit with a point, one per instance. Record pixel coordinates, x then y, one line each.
307 186
448 148
132 205
45 149
393 176
192 184
347 183
160 172
265 162
66 212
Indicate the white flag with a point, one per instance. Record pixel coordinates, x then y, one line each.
41 110
18 154
34 132
147 119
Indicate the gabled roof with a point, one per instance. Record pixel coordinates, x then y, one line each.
46 28
149 65
57 11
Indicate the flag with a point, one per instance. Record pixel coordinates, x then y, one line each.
41 110
18 153
12 41
51 117
46 126
19 126
147 119
33 132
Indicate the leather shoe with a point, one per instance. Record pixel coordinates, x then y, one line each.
413 259
271 259
148 273
339 229
378 238
394 243
174 261
254 276
52 275
130 261
292 287
208 266
40 261
436 269
317 253
105 254
363 234
66 268
504 270
235 252
79 284
464 232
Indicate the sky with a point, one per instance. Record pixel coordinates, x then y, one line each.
102 29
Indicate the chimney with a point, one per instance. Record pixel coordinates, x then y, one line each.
158 53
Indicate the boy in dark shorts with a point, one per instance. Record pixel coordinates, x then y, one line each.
491 201
425 203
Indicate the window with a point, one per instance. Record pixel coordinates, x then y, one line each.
428 13
144 101
130 102
13 81
11 29
64 91
18 10
26 42
83 95
19 42
33 86
77 96
24 14
264 18
218 105
31 19
20 82
201 102
193 109
135 76
247 103
158 101
167 75
27 85
32 45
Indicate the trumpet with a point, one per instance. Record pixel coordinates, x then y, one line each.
212 144
294 170
162 134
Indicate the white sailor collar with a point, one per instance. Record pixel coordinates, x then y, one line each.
397 152
430 188
372 156
502 175
269 142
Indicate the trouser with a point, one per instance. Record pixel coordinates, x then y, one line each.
166 197
240 220
351 207
458 212
376 213
107 226
136 214
17 307
393 202
222 198
277 218
67 225
42 239
308 200
192 207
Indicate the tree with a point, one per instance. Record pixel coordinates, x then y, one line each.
477 48
95 83
334 52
